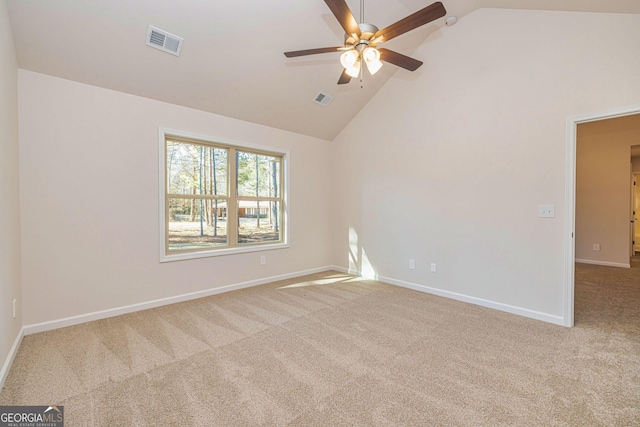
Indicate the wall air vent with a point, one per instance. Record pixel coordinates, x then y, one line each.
323 99
162 40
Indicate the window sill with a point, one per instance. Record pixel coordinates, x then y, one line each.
221 252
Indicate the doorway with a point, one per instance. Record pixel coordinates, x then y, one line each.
570 200
635 203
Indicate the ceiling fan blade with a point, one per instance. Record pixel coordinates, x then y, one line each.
344 78
421 17
399 59
305 52
344 16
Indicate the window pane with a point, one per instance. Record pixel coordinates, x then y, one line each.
259 221
196 169
258 175
197 224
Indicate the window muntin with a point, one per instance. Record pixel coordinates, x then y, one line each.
221 198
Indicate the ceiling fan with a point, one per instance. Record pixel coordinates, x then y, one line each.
362 40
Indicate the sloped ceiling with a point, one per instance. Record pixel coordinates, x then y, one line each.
232 60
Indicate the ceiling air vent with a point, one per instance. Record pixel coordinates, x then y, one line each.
162 40
323 99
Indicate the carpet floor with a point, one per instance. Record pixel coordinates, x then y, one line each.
335 350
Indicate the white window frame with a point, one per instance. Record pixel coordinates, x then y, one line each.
168 257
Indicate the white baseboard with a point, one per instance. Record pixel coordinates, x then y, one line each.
83 318
88 317
9 360
605 263
545 317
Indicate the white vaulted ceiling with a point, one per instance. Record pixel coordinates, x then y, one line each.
232 60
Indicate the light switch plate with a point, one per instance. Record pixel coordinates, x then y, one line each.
546 211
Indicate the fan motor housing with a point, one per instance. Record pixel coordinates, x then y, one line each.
368 28
367 33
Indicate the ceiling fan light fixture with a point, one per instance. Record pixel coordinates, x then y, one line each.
353 70
361 39
373 66
371 57
349 58
371 54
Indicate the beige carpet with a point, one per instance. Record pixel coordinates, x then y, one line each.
331 349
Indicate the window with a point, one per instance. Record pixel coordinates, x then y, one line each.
219 198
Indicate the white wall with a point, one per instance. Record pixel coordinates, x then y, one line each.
89 200
603 189
445 165
9 198
449 164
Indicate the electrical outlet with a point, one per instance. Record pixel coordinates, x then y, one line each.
412 264
433 267
596 247
263 259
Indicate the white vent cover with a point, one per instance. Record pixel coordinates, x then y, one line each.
323 99
162 40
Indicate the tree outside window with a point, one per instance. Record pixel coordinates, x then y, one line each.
221 196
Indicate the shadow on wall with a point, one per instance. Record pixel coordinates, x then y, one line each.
359 263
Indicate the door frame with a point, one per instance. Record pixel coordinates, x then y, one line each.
634 199
570 199
632 213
